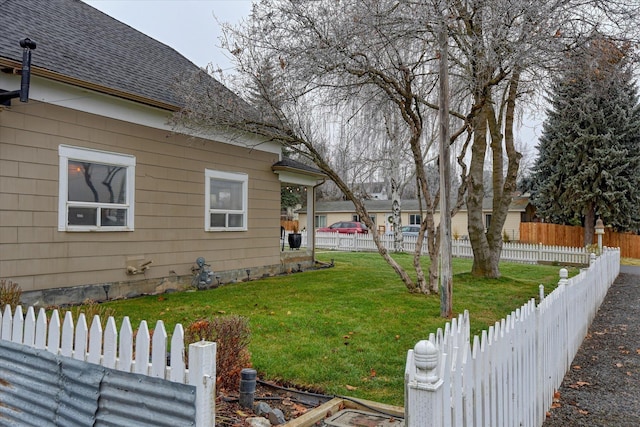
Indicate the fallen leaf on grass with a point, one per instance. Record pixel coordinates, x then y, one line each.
350 387
372 373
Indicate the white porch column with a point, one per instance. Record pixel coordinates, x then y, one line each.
311 217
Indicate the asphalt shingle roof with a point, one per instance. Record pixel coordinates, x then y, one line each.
287 163
75 40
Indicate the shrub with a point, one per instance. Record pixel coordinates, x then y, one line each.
90 308
232 337
593 249
10 293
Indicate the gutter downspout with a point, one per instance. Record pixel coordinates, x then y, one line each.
23 93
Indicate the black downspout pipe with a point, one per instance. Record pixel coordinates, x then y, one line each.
27 45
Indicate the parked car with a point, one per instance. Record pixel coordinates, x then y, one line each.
346 227
408 230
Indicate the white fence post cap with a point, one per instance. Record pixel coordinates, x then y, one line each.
425 355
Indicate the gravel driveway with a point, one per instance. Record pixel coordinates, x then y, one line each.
602 387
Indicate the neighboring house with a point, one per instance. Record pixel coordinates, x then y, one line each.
326 213
99 198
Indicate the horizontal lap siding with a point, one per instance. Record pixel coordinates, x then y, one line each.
169 210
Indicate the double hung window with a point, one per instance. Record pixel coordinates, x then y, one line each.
96 190
225 201
415 219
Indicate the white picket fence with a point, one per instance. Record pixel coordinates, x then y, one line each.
511 251
507 376
116 351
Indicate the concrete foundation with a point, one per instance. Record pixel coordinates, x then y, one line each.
290 262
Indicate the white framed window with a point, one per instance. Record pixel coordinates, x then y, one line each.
226 201
487 220
321 221
414 219
96 190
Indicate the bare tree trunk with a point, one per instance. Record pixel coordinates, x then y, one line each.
396 210
482 265
589 223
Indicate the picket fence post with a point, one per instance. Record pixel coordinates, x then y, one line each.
425 394
202 375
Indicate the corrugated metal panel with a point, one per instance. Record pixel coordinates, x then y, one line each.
29 387
139 400
40 389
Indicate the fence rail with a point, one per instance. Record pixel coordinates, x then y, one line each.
143 353
511 251
506 376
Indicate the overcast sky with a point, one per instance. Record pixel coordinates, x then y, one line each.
188 26
191 28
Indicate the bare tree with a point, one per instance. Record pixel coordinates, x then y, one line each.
327 54
500 49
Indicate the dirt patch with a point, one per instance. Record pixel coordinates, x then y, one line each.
293 404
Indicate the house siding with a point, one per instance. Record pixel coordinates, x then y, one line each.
169 203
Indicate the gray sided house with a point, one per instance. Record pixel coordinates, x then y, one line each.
99 197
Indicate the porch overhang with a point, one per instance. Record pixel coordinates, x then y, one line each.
297 173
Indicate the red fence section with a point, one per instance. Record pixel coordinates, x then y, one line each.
566 235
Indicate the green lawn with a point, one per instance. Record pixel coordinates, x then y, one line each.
343 330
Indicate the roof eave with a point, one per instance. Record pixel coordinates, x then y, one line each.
276 168
48 74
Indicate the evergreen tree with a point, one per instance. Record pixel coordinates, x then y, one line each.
589 151
265 93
